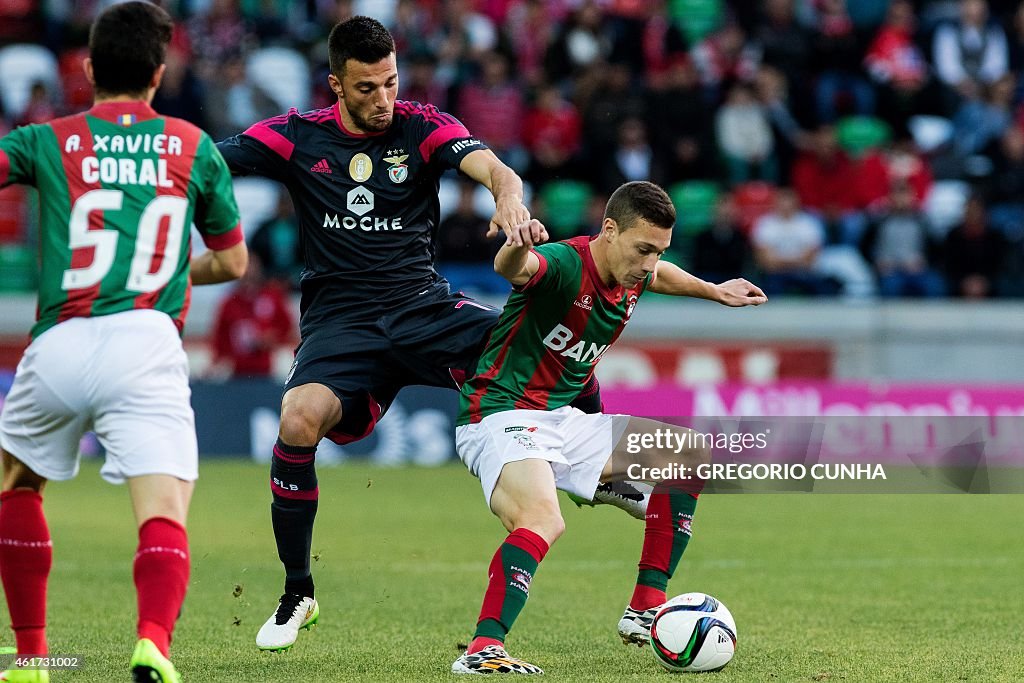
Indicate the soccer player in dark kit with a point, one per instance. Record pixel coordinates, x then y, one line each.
375 315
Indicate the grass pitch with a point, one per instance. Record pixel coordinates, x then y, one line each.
823 587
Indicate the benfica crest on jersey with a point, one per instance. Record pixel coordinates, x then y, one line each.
397 171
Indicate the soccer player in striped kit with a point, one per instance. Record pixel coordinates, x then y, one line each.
520 435
119 187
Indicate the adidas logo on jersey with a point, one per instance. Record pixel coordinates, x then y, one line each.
321 167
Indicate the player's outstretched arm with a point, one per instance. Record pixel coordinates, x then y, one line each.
517 264
510 214
220 265
671 279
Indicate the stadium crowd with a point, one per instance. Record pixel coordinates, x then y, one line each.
824 147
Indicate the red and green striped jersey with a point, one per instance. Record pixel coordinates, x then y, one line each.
119 187
549 338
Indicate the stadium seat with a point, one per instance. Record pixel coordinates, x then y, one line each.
944 205
565 207
283 74
753 200
257 201
21 66
695 202
696 18
857 134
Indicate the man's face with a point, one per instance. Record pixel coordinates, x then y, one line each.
368 92
634 253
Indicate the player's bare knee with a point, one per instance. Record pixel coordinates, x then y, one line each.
300 427
544 519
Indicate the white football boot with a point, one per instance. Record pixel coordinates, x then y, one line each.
293 614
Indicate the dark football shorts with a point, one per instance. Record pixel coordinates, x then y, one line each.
435 340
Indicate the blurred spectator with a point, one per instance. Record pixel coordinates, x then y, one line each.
745 137
584 41
788 137
631 159
530 29
1016 41
552 136
905 165
662 44
465 253
899 250
786 243
218 35
974 254
721 252
411 30
276 243
971 52
783 42
270 18
234 101
77 91
20 21
899 69
419 82
637 36
981 121
181 94
614 100
681 124
40 108
493 107
459 16
724 57
1006 186
459 40
837 57
837 187
251 323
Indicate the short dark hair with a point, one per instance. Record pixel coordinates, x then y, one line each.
640 199
127 43
360 38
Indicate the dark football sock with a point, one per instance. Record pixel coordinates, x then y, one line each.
294 487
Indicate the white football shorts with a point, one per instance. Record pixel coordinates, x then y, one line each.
577 444
124 376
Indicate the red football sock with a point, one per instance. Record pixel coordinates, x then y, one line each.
161 578
509 576
666 535
26 555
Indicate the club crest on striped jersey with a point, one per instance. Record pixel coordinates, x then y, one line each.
632 304
398 171
360 168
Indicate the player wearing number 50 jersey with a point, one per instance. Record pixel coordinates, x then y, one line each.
376 316
119 187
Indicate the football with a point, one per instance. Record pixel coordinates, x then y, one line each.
693 632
